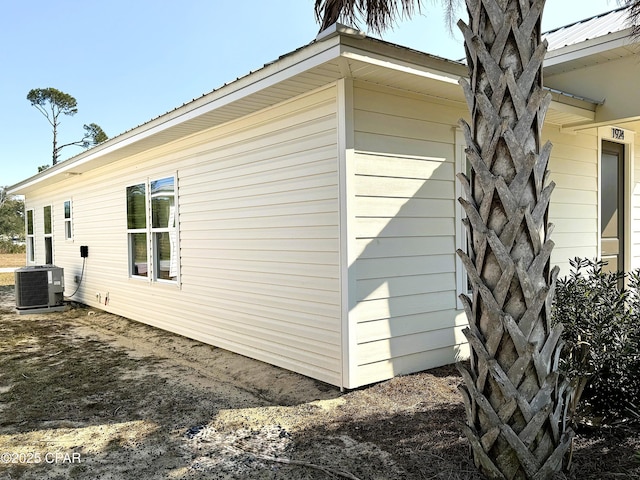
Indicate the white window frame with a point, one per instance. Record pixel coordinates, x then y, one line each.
135 231
152 233
462 281
68 221
48 237
31 237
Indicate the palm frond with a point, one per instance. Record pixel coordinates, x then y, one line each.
633 17
378 15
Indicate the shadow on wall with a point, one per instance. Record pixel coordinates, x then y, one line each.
404 308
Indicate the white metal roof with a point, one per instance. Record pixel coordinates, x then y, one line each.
588 29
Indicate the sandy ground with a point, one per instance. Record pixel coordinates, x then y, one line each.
85 394
89 395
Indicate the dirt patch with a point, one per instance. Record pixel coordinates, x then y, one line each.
89 395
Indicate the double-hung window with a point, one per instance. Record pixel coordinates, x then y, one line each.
68 226
152 230
48 235
163 229
462 279
137 230
31 241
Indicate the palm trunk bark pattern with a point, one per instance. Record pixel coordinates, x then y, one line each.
515 400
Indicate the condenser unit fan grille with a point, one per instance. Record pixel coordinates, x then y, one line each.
39 287
32 289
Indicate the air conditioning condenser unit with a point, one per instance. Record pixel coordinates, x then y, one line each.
39 289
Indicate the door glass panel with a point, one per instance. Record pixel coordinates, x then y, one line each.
609 221
612 206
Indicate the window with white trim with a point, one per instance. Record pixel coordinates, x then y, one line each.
31 241
137 230
152 230
163 229
48 235
68 223
462 280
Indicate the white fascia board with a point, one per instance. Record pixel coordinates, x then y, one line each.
51 172
338 29
400 65
278 71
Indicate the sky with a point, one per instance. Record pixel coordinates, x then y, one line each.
128 61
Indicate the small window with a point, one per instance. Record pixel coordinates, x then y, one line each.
68 226
48 235
31 244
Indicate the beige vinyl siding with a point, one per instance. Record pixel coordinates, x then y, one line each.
260 225
404 225
635 207
574 202
258 237
405 314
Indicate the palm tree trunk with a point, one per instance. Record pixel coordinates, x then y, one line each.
515 400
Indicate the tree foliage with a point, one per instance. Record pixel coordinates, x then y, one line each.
53 103
11 215
633 15
94 135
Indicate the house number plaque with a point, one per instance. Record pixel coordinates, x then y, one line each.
617 133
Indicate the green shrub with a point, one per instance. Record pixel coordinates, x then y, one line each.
7 246
601 355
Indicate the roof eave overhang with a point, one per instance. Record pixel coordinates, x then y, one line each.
105 153
574 53
342 47
340 53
